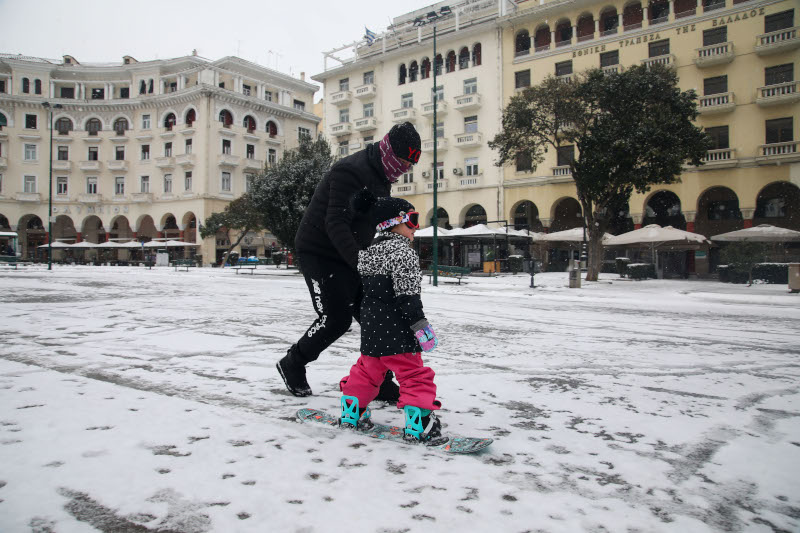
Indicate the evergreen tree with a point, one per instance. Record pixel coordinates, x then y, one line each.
743 257
631 130
241 216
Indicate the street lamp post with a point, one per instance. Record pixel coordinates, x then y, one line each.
50 108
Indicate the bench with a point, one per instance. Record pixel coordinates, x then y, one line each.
185 264
450 272
245 266
10 260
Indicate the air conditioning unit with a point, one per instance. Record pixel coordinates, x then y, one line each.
458 171
426 174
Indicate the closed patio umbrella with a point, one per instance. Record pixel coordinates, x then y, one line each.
568 235
761 233
56 244
654 236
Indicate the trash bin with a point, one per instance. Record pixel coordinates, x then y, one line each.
794 277
575 275
162 257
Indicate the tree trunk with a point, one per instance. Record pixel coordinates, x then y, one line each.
233 245
595 229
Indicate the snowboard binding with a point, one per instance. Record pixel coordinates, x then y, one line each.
354 417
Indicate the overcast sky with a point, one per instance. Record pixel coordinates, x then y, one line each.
289 36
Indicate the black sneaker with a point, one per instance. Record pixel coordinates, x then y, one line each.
432 435
390 391
294 374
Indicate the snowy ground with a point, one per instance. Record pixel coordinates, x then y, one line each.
137 400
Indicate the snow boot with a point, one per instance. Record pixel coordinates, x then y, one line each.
389 391
293 372
353 416
424 426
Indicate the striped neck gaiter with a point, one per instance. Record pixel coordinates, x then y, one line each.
393 167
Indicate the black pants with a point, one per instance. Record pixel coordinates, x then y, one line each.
335 290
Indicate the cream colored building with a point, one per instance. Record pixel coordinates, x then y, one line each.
139 149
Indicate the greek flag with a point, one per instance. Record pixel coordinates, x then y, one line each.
370 36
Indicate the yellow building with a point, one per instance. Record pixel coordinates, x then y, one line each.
140 150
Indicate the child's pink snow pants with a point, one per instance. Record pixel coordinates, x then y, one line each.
416 380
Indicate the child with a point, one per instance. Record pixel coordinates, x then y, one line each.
393 327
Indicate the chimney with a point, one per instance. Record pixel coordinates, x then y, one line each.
194 52
302 76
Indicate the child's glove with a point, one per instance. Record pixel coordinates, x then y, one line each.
426 337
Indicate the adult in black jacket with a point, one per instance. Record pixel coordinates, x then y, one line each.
328 241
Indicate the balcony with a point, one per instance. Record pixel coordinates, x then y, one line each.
61 165
228 160
90 198
342 98
119 165
89 165
427 109
667 60
717 103
404 189
354 147
780 93
405 114
715 54
185 160
253 164
467 101
469 182
562 170
275 140
441 145
28 197
4 162
365 92
777 41
142 197
612 69
468 140
165 162
441 185
720 158
785 152
564 78
341 129
365 124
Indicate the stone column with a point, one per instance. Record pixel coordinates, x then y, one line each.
78 237
596 28
671 15
619 21
574 38
645 20
637 220
552 38
747 215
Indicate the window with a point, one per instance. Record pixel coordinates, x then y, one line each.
145 152
125 92
425 71
222 85
26 85
778 21
413 71
37 86
63 126
608 59
344 84
437 64
250 151
303 132
780 130
450 65
144 184
142 87
272 128
272 156
779 74
522 79
408 177
30 152
268 96
471 86
170 121
439 93
368 139
476 55
1 183
246 90
343 148
565 155
187 181
522 43
471 124
30 122
226 146
98 94
299 105
471 166
150 87
369 110
249 123
93 126
524 163
440 170
121 126
67 92
63 153
716 85
716 35
407 101
226 182
369 77
93 154
191 116
659 48
344 115
2 86
440 130
29 184
226 118
119 153
168 149
167 183
564 68
401 75
249 180
119 186
145 122
188 147
719 137
91 185
463 58
61 185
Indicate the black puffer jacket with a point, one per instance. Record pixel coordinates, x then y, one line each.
392 281
330 227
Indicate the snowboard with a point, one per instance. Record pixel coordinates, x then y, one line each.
454 445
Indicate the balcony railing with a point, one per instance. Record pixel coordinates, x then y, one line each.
404 114
405 188
780 93
440 186
612 69
587 37
721 155
562 170
717 103
28 197
228 160
4 162
777 41
61 165
277 140
688 13
365 124
363 92
441 145
631 27
427 109
779 149
606 33
184 160
542 48
89 198
566 78
560 44
252 164
715 54
522 53
165 162
469 139
713 6
89 165
116 164
665 60
341 97
142 197
659 20
342 128
469 181
467 101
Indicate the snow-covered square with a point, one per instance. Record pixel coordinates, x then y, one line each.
147 400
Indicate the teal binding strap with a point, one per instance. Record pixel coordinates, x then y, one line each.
414 417
350 413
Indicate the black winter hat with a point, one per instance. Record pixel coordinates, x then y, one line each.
405 142
388 208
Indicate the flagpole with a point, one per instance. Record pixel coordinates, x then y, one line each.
435 262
